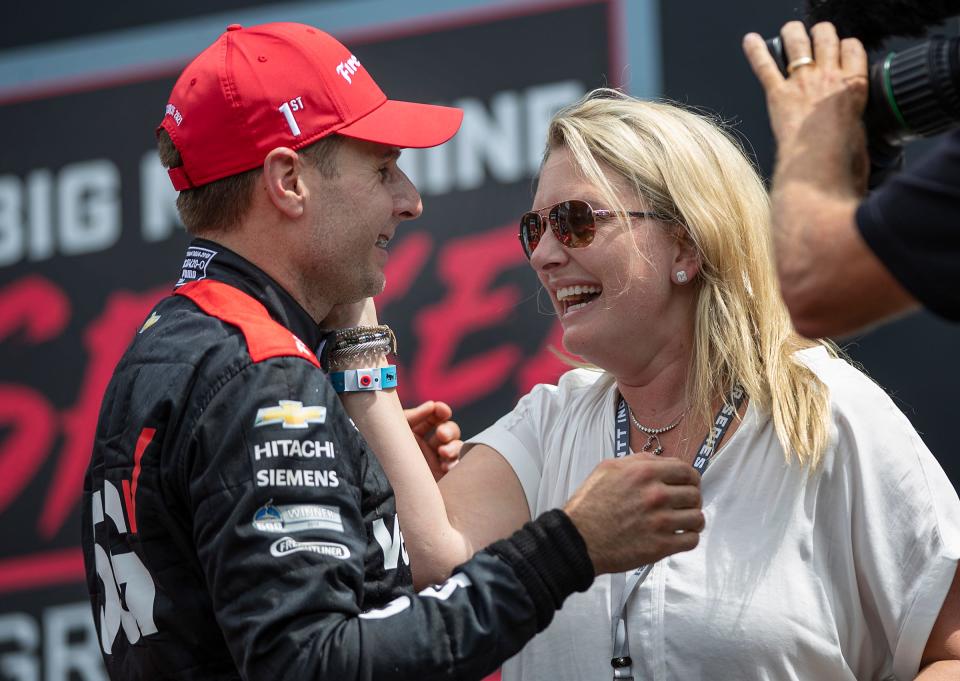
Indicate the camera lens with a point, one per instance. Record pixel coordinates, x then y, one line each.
915 93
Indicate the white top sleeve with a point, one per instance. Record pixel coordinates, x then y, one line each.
903 513
515 437
539 428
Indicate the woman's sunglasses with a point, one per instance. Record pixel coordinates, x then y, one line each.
574 223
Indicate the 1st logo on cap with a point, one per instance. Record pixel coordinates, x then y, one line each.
287 109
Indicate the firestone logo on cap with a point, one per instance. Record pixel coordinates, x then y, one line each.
348 68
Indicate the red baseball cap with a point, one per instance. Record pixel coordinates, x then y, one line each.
283 85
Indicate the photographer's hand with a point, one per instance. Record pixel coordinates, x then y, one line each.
831 281
816 112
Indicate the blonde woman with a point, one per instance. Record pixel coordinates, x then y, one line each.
832 534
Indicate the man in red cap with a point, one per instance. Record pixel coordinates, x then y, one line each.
236 523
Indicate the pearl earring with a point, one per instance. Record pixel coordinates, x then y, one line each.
681 277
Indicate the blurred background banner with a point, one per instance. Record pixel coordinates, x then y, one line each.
89 237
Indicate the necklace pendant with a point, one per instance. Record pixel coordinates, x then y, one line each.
649 444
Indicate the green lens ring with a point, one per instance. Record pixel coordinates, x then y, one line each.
888 92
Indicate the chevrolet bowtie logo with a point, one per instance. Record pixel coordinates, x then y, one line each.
291 414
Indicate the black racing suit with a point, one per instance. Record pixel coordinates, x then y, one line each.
236 524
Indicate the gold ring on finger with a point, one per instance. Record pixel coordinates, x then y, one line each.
799 62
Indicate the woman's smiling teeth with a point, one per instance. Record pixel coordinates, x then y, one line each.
574 297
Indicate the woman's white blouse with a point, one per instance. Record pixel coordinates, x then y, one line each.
835 574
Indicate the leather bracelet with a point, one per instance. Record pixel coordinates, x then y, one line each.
357 380
380 346
356 335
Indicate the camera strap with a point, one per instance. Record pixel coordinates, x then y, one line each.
621 661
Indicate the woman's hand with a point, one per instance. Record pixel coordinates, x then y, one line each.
437 435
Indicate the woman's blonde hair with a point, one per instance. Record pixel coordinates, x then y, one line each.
684 166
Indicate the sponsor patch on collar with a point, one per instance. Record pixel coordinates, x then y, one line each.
195 265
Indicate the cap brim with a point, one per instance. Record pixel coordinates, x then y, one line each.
406 124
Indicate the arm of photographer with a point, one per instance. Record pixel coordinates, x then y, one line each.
482 499
830 279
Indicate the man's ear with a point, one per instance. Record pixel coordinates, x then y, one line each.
283 176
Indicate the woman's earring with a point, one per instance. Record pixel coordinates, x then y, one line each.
681 277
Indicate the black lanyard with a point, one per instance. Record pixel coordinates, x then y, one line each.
621 661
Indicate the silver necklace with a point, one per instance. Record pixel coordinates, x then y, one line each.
653 433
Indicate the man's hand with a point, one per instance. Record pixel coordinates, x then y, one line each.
816 112
637 510
437 435
830 280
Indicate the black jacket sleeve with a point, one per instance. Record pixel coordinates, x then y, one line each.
911 224
274 477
